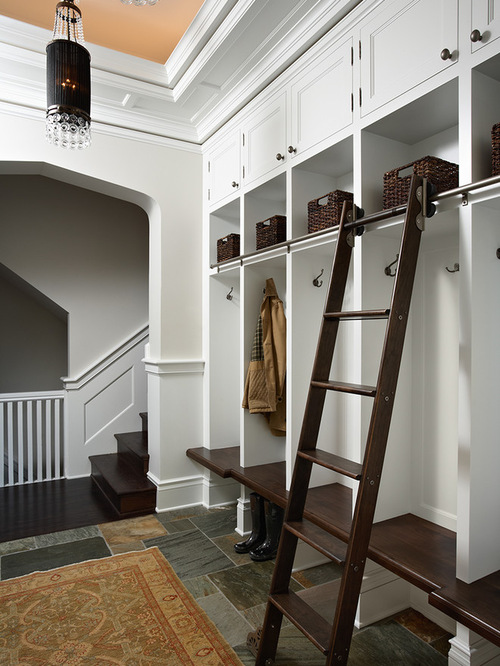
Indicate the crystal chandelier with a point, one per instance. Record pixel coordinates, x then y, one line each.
139 3
68 81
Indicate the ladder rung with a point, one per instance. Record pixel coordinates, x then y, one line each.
305 618
359 389
316 537
331 461
359 314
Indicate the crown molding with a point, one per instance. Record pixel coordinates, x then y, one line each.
209 18
230 53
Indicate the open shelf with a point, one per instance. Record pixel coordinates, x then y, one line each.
417 550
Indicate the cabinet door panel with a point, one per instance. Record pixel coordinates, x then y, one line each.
486 19
224 165
401 47
265 137
321 99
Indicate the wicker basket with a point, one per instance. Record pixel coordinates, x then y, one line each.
326 211
228 247
271 231
442 174
495 150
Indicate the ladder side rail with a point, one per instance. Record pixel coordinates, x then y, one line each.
321 369
308 436
378 432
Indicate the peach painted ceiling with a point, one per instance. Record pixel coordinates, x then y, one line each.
149 32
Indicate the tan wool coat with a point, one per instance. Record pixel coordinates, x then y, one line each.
265 382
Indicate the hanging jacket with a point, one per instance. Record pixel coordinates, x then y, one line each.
265 382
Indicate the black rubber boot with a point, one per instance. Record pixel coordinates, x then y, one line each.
258 526
274 523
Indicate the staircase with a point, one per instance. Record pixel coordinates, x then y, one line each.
122 476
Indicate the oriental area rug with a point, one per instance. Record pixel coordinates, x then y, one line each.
129 610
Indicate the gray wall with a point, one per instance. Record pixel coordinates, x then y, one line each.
85 251
33 339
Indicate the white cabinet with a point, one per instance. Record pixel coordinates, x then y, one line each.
224 168
321 99
443 432
264 138
485 22
404 44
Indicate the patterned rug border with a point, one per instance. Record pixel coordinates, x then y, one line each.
153 571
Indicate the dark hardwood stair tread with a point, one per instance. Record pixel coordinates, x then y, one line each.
135 441
359 314
120 476
318 538
333 462
345 387
305 618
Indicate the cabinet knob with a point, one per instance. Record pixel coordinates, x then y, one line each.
234 183
476 36
446 54
291 150
280 157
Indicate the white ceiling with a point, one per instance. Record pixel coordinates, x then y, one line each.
229 52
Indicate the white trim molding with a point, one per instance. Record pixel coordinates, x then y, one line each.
76 383
174 367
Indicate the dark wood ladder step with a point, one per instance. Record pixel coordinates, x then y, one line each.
345 387
333 462
358 314
134 447
129 491
304 617
318 538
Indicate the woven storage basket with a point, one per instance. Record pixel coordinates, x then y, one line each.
228 247
271 231
326 211
442 174
495 150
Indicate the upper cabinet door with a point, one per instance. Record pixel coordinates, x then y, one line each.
321 99
265 147
403 44
224 167
485 22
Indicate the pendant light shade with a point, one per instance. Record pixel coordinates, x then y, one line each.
68 81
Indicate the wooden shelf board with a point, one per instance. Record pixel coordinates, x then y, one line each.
415 549
474 605
220 461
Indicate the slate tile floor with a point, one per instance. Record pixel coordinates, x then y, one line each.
231 588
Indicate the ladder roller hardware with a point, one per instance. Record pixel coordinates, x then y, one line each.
334 638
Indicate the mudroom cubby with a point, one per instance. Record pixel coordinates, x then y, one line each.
224 221
222 395
260 204
439 498
426 126
485 113
329 170
260 445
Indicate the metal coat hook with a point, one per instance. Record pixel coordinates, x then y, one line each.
455 269
317 282
387 269
229 295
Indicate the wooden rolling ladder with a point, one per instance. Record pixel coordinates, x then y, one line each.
334 639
